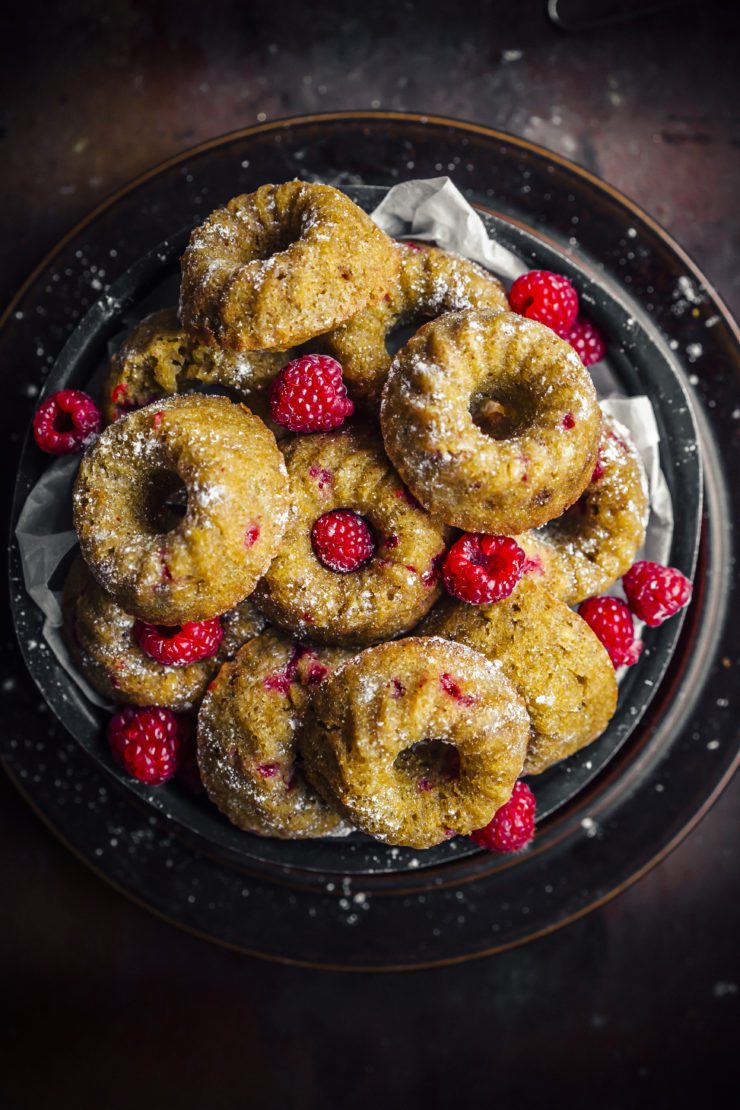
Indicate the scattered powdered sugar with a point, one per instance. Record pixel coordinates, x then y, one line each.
724 989
686 296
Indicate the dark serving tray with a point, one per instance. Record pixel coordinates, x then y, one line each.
178 854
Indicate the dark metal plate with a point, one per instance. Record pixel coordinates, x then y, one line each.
639 261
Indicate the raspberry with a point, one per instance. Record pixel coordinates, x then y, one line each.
450 687
308 395
480 569
67 421
398 688
654 592
251 535
611 620
546 297
342 540
283 679
587 341
146 742
181 645
511 827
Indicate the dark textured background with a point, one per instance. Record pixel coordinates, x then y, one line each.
103 1005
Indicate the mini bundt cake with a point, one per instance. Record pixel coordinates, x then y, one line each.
360 559
237 505
551 656
247 725
103 642
416 740
583 552
281 265
431 282
158 357
491 420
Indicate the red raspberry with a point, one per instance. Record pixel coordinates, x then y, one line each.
146 742
511 827
450 687
480 569
587 341
308 395
546 297
342 540
611 620
181 645
67 421
654 592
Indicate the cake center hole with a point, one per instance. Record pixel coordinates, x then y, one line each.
276 240
165 502
500 417
429 763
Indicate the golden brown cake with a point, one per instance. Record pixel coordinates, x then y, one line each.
237 503
583 552
101 639
348 470
158 357
247 738
551 656
491 420
416 740
281 265
432 281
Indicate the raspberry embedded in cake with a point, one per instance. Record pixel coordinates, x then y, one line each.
252 534
178 647
268 770
342 540
481 569
324 478
452 687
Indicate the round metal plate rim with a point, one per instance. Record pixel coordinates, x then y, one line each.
649 752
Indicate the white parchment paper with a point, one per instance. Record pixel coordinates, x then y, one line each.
432 210
435 211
